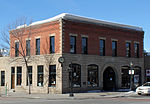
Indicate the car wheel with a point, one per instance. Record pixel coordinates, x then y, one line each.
139 94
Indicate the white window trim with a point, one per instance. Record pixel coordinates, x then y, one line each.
103 38
51 34
38 37
114 39
137 42
28 38
128 41
16 41
84 36
71 34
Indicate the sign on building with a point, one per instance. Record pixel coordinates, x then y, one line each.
148 72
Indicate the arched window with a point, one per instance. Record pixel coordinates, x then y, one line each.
76 75
92 75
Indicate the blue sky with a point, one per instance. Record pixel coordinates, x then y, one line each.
131 12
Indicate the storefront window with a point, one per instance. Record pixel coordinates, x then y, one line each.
52 75
30 75
19 75
126 77
40 75
76 75
2 78
92 75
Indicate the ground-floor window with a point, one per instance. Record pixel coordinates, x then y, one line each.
92 75
2 78
30 75
19 75
126 77
52 75
76 75
40 75
137 76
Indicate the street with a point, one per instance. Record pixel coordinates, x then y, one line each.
119 100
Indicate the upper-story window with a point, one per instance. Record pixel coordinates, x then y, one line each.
16 49
114 48
38 46
136 50
102 47
52 44
128 49
27 47
72 44
84 45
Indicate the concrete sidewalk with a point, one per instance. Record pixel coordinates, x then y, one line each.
66 96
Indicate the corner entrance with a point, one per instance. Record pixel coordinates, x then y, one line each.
109 79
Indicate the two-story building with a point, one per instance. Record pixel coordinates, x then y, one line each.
99 52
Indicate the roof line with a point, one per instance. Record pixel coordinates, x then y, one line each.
86 19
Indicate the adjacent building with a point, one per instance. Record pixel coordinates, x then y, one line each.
99 53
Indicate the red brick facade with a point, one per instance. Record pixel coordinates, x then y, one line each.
43 32
95 31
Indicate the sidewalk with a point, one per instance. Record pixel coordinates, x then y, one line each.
79 96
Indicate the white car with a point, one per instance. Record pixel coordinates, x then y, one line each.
144 89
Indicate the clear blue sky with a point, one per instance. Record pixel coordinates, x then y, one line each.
131 12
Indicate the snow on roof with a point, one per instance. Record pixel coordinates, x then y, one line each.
86 19
21 26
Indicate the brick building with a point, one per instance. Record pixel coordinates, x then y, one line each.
99 52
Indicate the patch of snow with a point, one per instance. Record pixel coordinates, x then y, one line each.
84 19
21 26
49 20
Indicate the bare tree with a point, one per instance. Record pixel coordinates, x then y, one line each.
50 58
18 30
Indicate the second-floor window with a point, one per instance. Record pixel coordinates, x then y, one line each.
38 46
114 48
128 49
84 45
136 50
52 44
102 47
27 47
16 49
72 44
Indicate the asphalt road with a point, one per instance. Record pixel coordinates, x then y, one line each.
121 100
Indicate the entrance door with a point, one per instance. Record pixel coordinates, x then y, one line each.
109 79
12 81
12 77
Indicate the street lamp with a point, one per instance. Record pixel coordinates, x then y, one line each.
131 72
71 77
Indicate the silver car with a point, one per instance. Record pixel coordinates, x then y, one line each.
144 89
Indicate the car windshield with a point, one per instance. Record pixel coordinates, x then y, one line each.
146 84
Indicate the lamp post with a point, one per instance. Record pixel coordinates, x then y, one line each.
131 75
71 84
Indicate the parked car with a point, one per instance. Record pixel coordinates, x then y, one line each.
144 89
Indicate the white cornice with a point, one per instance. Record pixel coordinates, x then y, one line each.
86 19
